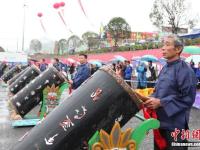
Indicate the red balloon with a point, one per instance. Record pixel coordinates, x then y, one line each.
39 14
62 4
56 5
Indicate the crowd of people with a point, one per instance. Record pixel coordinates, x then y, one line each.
141 75
138 75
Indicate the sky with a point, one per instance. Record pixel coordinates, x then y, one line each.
135 12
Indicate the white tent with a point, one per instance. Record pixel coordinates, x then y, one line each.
12 57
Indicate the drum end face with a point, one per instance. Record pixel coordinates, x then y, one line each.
14 115
123 84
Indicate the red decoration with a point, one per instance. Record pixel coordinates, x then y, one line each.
39 14
62 4
56 5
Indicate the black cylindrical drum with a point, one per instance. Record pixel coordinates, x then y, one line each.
29 74
26 99
96 104
16 76
8 75
3 67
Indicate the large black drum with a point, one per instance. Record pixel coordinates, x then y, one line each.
11 73
96 104
27 98
17 76
3 67
28 75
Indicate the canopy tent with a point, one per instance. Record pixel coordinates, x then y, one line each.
194 34
194 58
13 57
149 58
191 49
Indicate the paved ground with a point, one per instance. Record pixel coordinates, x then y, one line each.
9 136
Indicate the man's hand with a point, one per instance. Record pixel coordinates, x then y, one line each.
152 103
69 81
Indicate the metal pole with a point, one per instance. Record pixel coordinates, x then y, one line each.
23 30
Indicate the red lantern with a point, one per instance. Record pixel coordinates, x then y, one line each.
56 5
62 4
39 14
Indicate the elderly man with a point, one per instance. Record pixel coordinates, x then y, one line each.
174 95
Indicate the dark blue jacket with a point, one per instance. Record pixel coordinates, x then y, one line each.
128 73
83 72
198 72
176 88
43 67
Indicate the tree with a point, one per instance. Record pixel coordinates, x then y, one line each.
35 45
173 13
62 45
91 39
2 49
73 43
118 29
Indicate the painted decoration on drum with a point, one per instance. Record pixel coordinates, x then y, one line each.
50 140
80 114
67 123
51 98
96 95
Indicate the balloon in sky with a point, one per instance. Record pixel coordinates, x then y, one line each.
41 23
56 5
39 14
62 4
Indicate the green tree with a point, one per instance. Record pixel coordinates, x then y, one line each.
118 29
91 39
2 49
62 44
173 13
35 46
73 42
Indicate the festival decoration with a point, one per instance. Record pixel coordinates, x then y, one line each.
40 15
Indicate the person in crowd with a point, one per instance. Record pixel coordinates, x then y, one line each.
141 77
118 69
128 72
43 65
114 67
152 75
173 97
72 68
82 74
192 65
94 68
57 64
198 75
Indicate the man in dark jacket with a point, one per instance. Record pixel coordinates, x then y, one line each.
128 72
82 74
43 65
174 95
